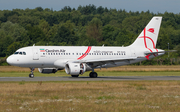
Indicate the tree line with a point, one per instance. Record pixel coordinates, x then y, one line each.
85 26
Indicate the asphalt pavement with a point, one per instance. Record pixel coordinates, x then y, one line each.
101 78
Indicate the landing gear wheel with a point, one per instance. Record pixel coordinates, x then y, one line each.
31 75
74 75
93 75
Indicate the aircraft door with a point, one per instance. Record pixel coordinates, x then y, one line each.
35 54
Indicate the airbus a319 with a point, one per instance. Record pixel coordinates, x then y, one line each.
76 60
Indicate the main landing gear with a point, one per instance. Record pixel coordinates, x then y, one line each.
31 75
93 74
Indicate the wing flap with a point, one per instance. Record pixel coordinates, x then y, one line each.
104 60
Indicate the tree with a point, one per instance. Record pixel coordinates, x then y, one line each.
39 8
5 41
124 38
100 10
66 8
94 29
15 31
65 34
35 34
44 26
107 32
13 47
25 20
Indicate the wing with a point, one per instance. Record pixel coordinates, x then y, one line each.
99 62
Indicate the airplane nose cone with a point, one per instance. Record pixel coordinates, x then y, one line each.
10 60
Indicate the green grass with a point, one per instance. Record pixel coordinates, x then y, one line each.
97 96
114 73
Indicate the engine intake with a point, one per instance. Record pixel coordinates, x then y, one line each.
75 68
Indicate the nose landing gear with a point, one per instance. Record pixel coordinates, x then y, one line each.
31 75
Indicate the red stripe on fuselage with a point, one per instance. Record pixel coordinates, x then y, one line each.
85 54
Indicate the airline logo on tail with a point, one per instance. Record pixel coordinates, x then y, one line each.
151 30
145 41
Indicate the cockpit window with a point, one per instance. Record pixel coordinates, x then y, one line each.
20 53
16 53
24 53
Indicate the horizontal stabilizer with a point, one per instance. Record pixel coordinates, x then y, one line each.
160 52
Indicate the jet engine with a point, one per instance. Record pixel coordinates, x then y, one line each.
75 68
47 70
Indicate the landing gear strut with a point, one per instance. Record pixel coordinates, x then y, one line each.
31 75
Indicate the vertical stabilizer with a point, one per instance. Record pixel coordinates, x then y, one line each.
149 35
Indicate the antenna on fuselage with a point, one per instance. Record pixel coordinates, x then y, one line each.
103 45
33 44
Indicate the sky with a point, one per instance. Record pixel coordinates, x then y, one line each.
154 6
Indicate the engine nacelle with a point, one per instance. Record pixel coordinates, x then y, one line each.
47 70
75 68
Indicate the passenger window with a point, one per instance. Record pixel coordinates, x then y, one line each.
89 53
43 53
72 53
69 53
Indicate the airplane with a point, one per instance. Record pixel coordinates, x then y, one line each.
76 60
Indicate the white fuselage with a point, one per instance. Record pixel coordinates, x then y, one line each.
58 56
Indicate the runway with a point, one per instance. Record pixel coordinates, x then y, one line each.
111 78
